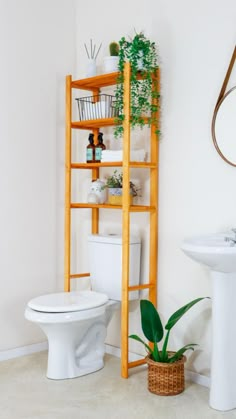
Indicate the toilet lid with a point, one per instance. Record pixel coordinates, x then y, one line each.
68 301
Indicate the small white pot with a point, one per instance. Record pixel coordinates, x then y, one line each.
110 64
91 68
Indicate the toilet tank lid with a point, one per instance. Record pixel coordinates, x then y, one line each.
111 238
68 301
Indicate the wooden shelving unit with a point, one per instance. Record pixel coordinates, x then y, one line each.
94 84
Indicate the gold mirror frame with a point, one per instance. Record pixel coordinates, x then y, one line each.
213 126
221 98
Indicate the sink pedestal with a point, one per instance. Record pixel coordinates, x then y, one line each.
223 363
218 253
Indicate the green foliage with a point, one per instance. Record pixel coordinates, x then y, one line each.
114 49
142 55
154 332
116 181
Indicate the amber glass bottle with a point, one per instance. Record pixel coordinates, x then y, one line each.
99 147
90 151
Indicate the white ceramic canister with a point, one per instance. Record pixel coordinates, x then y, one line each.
98 188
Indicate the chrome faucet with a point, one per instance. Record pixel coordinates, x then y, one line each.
232 240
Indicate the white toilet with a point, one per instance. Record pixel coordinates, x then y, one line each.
75 323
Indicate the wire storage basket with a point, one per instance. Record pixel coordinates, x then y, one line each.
96 107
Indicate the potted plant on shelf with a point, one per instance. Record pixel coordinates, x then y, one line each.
114 183
165 368
144 94
111 62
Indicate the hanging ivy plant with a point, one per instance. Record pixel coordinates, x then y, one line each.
142 55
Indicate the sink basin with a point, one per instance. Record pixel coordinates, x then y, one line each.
219 255
213 251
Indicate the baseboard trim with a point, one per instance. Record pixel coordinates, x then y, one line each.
198 378
190 375
112 350
23 350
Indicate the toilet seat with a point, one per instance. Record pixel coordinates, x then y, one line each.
66 302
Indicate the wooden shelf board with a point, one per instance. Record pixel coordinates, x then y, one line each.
145 165
102 80
133 208
93 123
99 81
97 123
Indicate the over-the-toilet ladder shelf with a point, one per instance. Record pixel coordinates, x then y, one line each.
94 84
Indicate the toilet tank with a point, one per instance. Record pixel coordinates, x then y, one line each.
105 264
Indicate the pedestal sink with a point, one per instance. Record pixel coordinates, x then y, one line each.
218 253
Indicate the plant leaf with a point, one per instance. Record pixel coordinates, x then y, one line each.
135 337
181 351
179 313
151 322
156 355
164 354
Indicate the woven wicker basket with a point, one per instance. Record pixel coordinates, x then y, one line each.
166 379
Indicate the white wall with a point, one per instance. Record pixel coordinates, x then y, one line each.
196 185
196 191
195 40
37 50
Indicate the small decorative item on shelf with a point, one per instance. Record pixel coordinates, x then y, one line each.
111 62
99 147
165 368
144 100
97 193
92 198
90 150
92 55
114 183
96 107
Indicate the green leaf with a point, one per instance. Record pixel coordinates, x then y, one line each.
151 322
135 337
155 354
181 351
164 354
179 313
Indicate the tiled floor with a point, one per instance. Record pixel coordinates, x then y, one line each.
26 393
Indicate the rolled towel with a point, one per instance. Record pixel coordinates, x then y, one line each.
111 155
117 155
112 152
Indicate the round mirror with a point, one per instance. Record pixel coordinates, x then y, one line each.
224 127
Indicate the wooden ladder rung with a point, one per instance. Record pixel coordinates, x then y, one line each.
141 287
137 363
79 275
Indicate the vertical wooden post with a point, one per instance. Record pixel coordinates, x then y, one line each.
153 251
67 186
95 211
95 175
125 226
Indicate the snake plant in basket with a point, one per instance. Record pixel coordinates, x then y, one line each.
166 369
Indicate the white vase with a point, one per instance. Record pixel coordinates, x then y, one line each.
110 64
91 68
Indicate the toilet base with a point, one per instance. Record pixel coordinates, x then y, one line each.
85 370
76 340
70 359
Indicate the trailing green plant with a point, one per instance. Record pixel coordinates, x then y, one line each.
153 330
114 49
144 100
116 181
